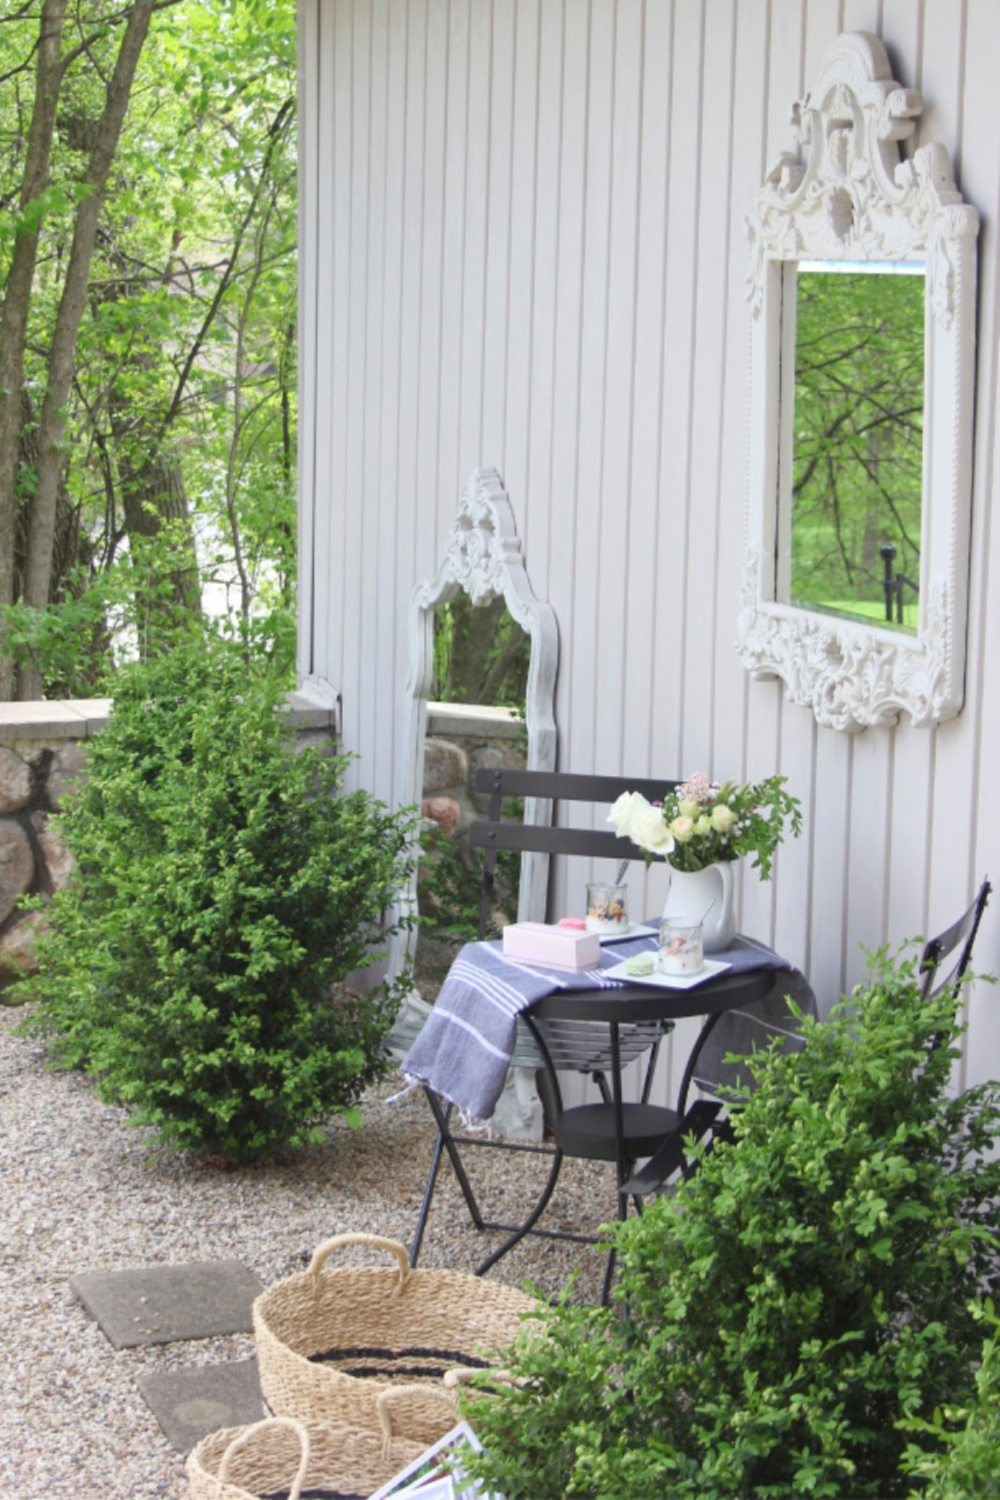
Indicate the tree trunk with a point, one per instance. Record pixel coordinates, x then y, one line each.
62 356
17 297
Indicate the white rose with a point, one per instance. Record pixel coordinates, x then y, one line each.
723 817
682 830
625 811
650 832
703 825
688 808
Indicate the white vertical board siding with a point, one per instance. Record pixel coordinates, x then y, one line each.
522 245
309 204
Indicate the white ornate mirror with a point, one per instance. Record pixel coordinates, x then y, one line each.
484 559
862 290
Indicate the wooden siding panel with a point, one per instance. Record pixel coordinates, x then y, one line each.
394 481
644 482
542 157
373 560
671 742
978 784
613 706
564 521
588 613
310 201
517 367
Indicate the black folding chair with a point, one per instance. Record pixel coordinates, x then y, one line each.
715 1066
956 942
561 1045
737 1033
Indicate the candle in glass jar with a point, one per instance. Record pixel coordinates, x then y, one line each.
681 947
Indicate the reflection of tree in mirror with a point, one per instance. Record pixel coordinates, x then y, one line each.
481 654
858 440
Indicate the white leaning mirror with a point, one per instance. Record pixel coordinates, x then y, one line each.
862 291
484 559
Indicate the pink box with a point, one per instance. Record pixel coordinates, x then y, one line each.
553 947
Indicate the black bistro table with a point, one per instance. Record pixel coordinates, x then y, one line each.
462 1054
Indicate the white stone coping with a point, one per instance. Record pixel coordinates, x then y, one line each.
472 719
81 718
62 719
311 706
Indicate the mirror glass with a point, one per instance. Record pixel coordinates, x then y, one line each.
482 657
851 476
481 654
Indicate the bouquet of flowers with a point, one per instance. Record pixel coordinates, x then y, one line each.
701 823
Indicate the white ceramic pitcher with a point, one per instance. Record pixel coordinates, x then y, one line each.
704 896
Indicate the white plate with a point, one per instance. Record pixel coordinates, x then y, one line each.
636 930
712 967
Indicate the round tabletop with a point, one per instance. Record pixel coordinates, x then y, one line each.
635 1002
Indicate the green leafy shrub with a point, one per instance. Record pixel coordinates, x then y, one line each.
965 1461
808 1290
224 886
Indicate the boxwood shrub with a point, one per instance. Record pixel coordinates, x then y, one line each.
790 1321
224 885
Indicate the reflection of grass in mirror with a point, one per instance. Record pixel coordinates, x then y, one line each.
858 439
866 611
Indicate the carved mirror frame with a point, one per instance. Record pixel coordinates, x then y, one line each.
853 197
484 559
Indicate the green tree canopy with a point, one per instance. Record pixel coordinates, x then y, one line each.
173 452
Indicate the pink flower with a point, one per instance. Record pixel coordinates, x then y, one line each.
696 788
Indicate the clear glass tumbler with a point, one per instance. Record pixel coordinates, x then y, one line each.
607 908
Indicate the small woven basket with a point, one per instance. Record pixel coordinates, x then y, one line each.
282 1457
329 1341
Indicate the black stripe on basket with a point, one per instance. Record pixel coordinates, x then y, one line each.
398 1359
314 1495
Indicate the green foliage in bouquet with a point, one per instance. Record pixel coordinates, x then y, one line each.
801 1305
700 823
224 885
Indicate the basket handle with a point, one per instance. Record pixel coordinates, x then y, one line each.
376 1241
249 1433
391 1393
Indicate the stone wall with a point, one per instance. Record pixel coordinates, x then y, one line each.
42 754
461 740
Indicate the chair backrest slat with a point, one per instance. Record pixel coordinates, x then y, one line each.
567 786
557 789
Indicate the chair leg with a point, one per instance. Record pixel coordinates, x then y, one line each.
531 1220
445 1142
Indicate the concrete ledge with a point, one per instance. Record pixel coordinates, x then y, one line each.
69 719
82 718
472 719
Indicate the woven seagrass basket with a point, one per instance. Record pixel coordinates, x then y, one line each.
329 1340
281 1457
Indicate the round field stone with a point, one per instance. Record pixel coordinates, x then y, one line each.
17 946
17 865
444 811
66 769
15 781
445 765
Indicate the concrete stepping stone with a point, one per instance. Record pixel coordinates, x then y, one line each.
199 1399
164 1304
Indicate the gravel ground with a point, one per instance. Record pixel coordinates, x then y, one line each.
84 1191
